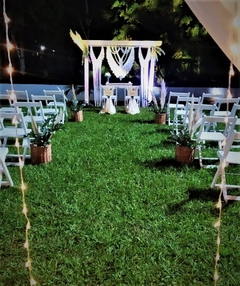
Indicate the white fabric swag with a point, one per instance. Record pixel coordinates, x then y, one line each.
221 18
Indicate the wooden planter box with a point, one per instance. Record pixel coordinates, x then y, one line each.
184 155
41 154
160 118
77 116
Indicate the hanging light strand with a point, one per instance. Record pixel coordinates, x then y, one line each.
217 225
9 46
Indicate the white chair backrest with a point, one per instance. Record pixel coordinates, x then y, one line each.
31 107
108 90
233 136
173 95
205 109
19 95
16 117
5 97
45 99
59 94
133 90
210 97
225 101
229 123
235 109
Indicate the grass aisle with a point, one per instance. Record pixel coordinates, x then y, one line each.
114 208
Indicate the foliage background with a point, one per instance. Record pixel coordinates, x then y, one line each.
192 57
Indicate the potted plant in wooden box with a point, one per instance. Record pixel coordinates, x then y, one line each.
76 106
158 106
40 137
184 138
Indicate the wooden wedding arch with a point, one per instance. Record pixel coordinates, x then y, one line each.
147 63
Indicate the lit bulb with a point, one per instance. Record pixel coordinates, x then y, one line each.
9 46
23 187
231 70
6 19
216 277
235 49
217 224
28 225
219 204
24 210
10 69
33 282
26 245
236 22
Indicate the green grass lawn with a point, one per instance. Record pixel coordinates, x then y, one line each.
114 208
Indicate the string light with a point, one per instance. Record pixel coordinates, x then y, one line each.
15 122
222 185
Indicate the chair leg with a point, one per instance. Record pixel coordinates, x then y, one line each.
216 176
4 170
200 156
224 185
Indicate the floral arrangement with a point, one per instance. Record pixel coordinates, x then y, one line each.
185 136
42 134
159 105
74 104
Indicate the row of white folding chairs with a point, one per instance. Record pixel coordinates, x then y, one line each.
228 157
206 98
53 100
18 130
204 136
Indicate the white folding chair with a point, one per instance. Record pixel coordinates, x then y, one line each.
224 106
4 170
209 98
182 109
218 135
205 109
31 110
108 91
227 158
171 104
18 95
48 102
7 103
132 92
60 100
17 129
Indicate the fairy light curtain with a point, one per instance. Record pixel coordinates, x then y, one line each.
221 18
97 64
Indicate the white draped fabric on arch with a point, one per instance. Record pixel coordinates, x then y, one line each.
221 18
120 56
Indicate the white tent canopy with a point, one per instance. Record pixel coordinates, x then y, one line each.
221 18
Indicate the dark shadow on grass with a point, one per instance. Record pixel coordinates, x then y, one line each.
143 121
167 163
206 195
163 130
203 194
